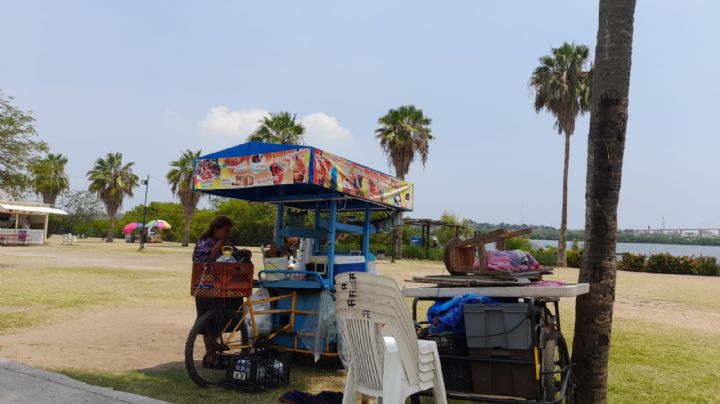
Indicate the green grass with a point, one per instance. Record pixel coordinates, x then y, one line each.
33 296
650 364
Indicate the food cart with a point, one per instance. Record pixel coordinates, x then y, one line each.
315 193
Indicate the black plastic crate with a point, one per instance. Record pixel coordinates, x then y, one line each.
457 375
451 345
448 345
258 371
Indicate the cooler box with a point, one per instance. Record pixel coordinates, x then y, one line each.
343 263
505 326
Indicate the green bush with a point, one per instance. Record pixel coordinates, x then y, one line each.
665 263
546 256
417 252
574 258
706 266
632 262
518 243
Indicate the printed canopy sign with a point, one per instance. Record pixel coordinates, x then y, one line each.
258 170
300 169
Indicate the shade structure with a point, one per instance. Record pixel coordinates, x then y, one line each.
299 177
159 224
131 226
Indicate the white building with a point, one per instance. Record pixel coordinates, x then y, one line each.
26 217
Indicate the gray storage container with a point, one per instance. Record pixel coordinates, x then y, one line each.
505 326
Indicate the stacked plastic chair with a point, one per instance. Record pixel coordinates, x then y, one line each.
390 367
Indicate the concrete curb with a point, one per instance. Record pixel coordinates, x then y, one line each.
23 384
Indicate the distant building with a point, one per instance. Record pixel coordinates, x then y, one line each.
28 218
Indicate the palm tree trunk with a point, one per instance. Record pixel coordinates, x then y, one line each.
397 240
606 144
111 229
190 212
562 242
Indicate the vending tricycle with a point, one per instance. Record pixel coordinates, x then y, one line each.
319 197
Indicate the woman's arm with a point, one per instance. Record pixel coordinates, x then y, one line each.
217 250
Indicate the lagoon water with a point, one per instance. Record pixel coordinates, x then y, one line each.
642 248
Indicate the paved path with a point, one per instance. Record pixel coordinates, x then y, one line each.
22 384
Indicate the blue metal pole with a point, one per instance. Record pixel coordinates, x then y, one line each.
316 244
331 243
278 225
366 237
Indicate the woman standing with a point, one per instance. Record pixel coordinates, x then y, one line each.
207 249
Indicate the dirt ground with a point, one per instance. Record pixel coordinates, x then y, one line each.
152 336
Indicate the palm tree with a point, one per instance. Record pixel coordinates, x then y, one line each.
49 178
562 87
404 134
112 181
180 178
279 127
606 145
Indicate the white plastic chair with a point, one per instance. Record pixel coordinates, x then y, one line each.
391 368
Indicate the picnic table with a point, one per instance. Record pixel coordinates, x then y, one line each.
14 239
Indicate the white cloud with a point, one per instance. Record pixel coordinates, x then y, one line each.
223 121
322 129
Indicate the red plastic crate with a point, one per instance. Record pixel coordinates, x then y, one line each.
221 279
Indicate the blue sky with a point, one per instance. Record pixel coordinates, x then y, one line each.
150 79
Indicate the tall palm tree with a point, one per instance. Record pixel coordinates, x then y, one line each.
606 145
404 134
562 87
49 178
280 127
112 181
180 178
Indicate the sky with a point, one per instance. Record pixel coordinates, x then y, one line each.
151 79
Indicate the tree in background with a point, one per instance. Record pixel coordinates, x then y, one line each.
112 181
445 234
404 133
83 208
562 87
280 128
49 178
18 148
180 178
606 145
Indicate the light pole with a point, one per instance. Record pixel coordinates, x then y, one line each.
143 232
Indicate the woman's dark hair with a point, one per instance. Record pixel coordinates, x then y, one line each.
218 223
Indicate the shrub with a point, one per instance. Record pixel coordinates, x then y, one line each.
574 258
417 252
706 266
518 243
546 256
632 262
665 263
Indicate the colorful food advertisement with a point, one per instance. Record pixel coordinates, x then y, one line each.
258 170
342 175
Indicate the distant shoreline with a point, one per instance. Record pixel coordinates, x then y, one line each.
703 242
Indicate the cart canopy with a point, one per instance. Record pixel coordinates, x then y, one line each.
298 176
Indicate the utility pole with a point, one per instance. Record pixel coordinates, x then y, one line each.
143 232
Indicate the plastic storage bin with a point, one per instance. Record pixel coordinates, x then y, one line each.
505 326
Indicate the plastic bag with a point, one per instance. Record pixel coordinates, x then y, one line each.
320 329
263 322
446 317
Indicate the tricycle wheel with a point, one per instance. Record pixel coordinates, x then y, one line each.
555 364
208 348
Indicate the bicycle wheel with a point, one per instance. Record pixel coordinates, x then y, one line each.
207 348
555 359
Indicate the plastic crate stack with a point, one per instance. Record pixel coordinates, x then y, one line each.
495 357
